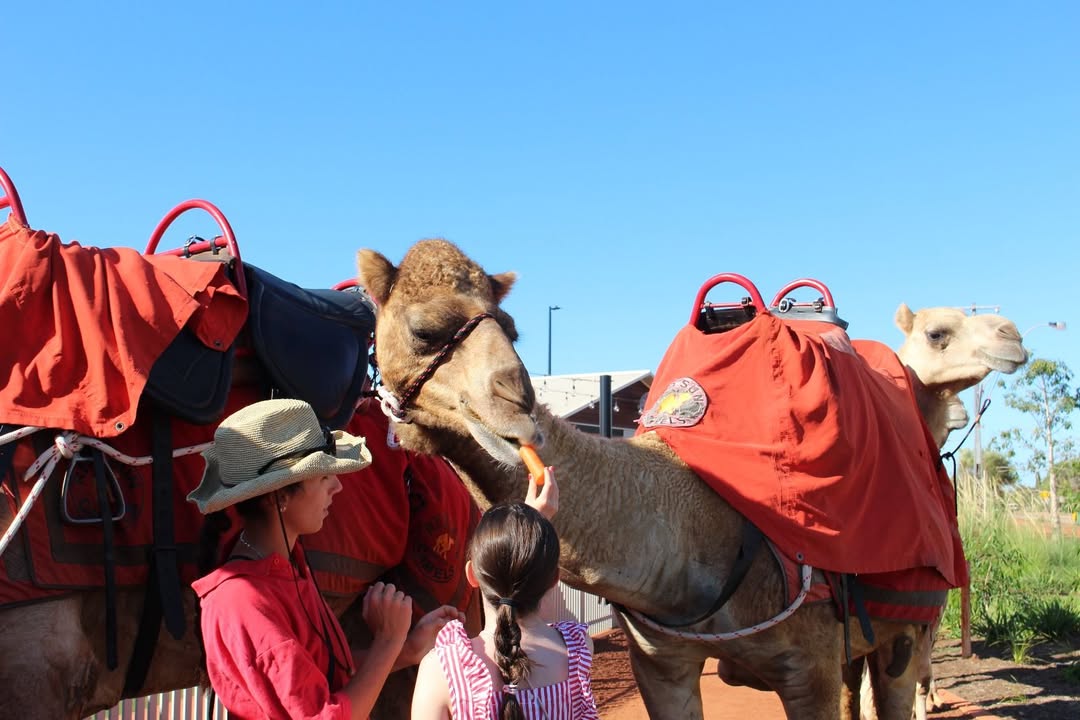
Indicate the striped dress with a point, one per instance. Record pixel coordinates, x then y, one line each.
473 691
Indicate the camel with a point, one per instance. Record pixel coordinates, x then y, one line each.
452 379
975 346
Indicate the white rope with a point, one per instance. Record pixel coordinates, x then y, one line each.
68 445
807 573
390 405
65 446
23 512
18 434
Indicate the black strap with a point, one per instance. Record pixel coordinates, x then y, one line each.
7 453
845 613
142 652
109 558
860 609
751 541
165 556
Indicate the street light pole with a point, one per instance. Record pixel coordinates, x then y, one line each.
551 308
965 592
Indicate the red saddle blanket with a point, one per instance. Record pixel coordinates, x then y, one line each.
91 321
816 440
406 514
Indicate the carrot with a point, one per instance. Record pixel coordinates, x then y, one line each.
533 463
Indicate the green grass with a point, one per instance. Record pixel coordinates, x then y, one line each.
1071 672
1025 587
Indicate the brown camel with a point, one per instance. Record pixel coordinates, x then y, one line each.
629 507
947 351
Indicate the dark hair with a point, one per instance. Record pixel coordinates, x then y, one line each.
515 555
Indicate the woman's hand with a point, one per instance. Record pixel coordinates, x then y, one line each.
388 613
545 499
422 637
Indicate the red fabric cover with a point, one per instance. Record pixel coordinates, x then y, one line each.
820 447
60 555
442 517
370 529
91 323
265 650
364 534
408 514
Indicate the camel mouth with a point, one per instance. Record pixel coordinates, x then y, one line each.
503 447
1007 364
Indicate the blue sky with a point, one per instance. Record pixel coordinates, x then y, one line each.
616 155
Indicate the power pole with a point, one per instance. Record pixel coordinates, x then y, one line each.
976 438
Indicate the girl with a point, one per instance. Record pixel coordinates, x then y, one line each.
519 667
273 648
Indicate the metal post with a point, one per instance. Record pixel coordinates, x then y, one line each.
551 308
605 406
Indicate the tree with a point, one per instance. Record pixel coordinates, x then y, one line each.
1045 394
997 465
1067 474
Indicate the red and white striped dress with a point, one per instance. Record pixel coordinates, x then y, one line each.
473 692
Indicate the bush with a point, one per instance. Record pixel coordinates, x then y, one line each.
1025 588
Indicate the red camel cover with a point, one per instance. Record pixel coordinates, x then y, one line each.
816 441
91 323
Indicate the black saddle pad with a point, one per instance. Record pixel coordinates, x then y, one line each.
313 343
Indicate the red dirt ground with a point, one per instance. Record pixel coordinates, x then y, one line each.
618 699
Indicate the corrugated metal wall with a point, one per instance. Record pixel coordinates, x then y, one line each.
195 704
189 704
585 607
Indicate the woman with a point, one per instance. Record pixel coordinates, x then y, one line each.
273 648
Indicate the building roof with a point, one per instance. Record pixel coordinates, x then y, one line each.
566 395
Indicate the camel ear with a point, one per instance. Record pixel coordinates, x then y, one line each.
377 275
904 319
501 284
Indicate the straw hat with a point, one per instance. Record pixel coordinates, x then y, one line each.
268 445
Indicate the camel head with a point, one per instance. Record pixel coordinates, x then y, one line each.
444 349
946 351
950 350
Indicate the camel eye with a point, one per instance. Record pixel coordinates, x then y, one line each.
428 335
936 336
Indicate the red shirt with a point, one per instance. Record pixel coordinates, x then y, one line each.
263 629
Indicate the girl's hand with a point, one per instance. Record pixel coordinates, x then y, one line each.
546 498
388 612
422 637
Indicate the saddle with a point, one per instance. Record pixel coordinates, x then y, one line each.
312 345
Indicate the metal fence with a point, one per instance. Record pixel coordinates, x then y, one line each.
198 704
189 704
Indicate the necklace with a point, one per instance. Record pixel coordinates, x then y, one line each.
244 541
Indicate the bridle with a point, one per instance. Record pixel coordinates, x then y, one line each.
396 409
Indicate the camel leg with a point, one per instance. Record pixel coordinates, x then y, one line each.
925 692
856 696
47 664
811 686
894 670
668 674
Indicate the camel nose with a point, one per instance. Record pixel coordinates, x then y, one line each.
1009 332
512 385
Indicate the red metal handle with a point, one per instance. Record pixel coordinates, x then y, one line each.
11 199
346 284
740 280
223 223
804 282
